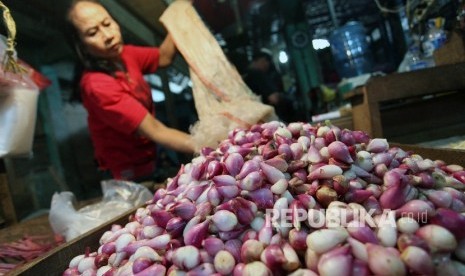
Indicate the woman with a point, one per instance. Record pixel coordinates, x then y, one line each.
118 100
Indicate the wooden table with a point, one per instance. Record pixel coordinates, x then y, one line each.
417 101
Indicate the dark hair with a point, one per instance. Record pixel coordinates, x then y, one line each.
263 53
267 54
86 60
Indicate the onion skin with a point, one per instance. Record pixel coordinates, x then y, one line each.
213 245
407 225
239 269
324 240
451 220
362 232
251 251
256 269
186 257
360 268
303 272
71 271
340 151
358 249
439 239
197 234
224 220
234 248
205 269
101 260
406 240
224 262
387 235
292 259
416 209
141 264
273 257
297 239
338 261
418 260
377 145
393 198
234 164
383 262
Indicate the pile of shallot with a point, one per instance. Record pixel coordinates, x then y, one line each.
296 199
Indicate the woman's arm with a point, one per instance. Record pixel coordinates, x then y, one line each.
167 51
163 135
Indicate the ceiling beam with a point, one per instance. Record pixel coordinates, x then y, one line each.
148 11
130 22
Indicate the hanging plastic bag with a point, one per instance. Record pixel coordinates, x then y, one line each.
222 99
18 97
118 197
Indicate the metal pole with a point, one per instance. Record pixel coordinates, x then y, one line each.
332 13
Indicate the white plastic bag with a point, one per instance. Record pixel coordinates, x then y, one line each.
18 111
18 96
118 197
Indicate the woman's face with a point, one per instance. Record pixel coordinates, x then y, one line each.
97 30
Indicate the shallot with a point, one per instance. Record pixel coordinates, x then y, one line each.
296 199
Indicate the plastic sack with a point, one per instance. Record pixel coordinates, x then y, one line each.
118 197
222 99
18 96
18 112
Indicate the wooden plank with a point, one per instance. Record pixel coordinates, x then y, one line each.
6 202
416 83
424 120
57 260
365 113
366 100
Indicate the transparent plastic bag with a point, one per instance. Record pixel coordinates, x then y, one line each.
118 197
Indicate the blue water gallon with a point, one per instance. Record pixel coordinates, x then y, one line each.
351 50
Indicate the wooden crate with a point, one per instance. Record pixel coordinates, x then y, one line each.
411 107
453 51
343 122
57 260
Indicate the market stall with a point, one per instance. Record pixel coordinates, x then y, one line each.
267 197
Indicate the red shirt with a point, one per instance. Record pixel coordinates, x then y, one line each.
116 107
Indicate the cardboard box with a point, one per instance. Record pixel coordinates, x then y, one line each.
453 51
